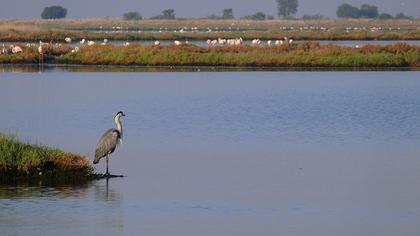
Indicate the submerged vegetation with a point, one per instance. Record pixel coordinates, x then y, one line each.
311 54
24 161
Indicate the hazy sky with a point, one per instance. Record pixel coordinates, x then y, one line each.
190 8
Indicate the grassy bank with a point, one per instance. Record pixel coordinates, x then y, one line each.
296 55
24 161
299 55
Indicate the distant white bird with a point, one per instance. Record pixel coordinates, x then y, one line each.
238 41
269 42
15 49
82 41
68 40
127 44
290 41
176 42
75 50
91 43
256 42
221 41
157 43
3 50
105 40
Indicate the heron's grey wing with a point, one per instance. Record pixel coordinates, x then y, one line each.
107 144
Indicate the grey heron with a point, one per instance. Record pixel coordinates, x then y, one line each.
109 141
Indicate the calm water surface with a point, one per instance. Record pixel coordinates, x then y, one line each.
228 153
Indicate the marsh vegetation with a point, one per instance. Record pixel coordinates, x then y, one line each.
24 161
295 55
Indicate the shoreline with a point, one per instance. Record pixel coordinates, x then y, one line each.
53 67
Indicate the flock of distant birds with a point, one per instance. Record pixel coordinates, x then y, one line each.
211 42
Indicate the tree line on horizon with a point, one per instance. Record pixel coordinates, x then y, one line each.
366 11
286 9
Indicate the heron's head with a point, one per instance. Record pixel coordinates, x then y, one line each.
119 114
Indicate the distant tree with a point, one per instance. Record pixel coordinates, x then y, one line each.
385 16
348 11
54 12
132 15
168 14
312 17
227 13
368 11
287 8
402 16
256 16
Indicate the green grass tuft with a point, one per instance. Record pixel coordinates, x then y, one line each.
24 161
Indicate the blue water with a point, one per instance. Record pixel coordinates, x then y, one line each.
228 153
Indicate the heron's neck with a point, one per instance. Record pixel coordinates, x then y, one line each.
119 126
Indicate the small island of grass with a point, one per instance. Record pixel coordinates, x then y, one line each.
21 161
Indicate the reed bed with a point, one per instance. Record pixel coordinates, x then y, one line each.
24 161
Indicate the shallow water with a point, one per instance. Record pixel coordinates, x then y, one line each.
227 153
347 43
131 68
203 43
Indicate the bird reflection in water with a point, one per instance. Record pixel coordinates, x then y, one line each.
104 192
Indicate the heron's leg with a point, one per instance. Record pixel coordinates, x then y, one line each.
107 173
